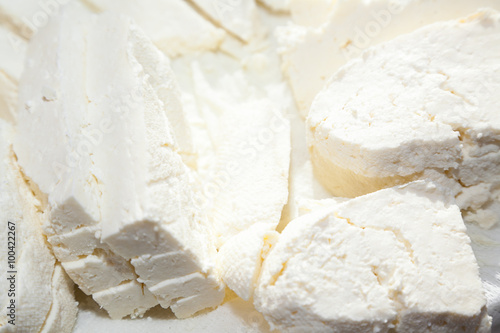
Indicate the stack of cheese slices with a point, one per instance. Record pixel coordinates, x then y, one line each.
250 166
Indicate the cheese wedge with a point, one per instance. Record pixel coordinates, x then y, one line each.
397 260
426 109
34 285
119 189
311 55
172 25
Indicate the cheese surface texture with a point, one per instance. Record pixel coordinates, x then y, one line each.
427 111
312 54
222 166
394 260
40 284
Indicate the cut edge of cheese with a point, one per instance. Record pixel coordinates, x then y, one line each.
338 236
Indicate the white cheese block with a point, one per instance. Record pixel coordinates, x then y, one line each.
154 212
54 142
416 107
172 25
397 260
99 271
237 17
144 210
40 283
118 301
312 54
72 245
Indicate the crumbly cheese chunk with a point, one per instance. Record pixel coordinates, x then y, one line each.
311 55
237 17
415 107
117 182
397 260
172 25
11 66
40 283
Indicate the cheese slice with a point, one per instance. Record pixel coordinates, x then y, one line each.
397 260
11 66
117 182
312 54
303 185
63 311
40 284
251 141
239 18
425 110
172 25
244 156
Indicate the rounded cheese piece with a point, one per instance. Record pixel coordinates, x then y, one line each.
420 106
336 31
